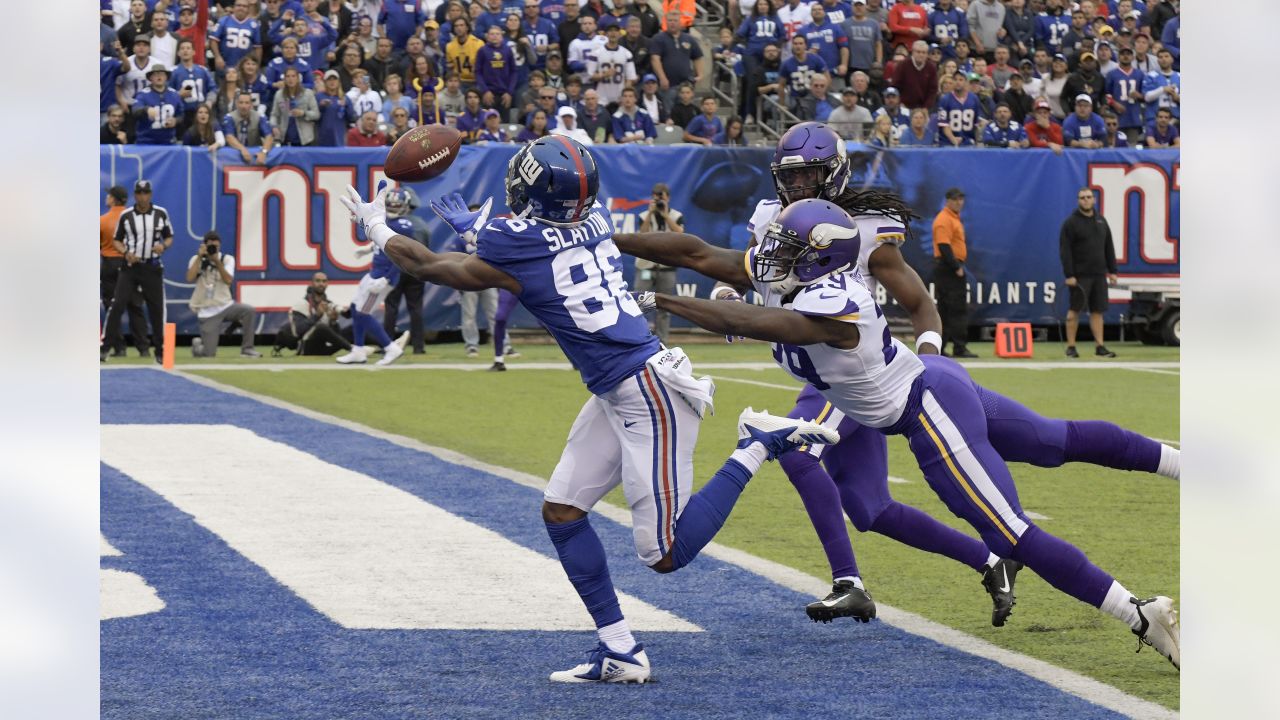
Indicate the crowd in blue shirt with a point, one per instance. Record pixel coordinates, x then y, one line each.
1125 57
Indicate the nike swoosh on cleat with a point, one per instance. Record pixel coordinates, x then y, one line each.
832 603
1005 574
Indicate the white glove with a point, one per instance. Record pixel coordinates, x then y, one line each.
378 285
366 214
647 300
724 292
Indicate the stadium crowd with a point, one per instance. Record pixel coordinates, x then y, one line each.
254 74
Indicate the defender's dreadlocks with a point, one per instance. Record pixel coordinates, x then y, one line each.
877 202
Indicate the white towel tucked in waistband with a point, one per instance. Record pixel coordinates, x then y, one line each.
675 369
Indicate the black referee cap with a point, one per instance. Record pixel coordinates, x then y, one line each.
142 186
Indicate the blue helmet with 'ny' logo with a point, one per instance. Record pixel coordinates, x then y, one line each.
553 179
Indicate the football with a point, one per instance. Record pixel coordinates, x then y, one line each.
423 153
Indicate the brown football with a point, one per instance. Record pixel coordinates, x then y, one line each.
423 153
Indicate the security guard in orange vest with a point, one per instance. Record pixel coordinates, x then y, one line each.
950 285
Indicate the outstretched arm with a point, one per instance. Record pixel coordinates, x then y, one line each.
687 251
904 285
459 271
770 324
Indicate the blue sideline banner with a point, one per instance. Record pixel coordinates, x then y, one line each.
283 221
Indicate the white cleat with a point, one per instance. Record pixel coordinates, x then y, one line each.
392 352
781 434
403 340
605 666
1159 627
357 356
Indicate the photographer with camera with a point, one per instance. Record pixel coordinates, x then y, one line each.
212 272
660 217
313 323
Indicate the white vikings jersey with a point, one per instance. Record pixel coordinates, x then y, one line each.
869 383
618 68
584 51
874 230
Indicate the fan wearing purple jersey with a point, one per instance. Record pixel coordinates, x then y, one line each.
638 429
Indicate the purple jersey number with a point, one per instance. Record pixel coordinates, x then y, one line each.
800 364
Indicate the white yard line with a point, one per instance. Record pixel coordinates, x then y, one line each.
1068 681
1157 371
1165 367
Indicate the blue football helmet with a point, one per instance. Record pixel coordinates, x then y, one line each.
809 240
553 179
400 201
810 162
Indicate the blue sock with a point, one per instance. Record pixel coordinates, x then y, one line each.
357 326
584 562
706 512
371 327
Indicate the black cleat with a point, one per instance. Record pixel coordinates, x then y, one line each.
1102 351
498 367
998 581
845 600
1071 352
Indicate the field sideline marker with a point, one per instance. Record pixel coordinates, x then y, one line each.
1068 681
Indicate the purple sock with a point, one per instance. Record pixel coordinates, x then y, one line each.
913 527
1022 435
1063 566
585 563
822 501
499 336
1103 443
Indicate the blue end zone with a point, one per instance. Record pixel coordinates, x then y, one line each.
234 643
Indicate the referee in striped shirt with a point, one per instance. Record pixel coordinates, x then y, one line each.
142 235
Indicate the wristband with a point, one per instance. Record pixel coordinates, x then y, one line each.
930 337
380 234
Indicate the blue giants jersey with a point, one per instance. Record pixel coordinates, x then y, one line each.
571 280
1051 29
959 115
237 38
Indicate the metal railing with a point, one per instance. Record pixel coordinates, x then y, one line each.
772 118
730 97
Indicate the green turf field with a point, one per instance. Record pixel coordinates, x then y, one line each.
1127 523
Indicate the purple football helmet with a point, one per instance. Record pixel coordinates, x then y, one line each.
810 162
809 240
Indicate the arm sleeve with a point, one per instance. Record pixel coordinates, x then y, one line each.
1110 249
1157 87
948 257
1064 250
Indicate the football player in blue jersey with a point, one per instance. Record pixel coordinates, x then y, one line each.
371 292
638 429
